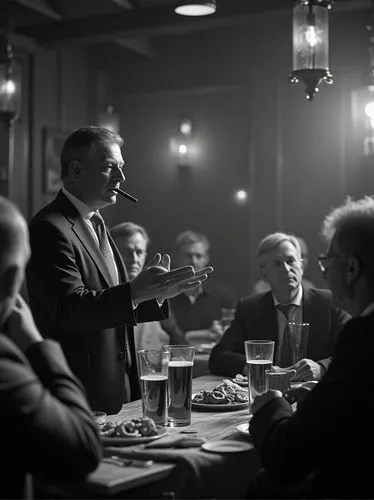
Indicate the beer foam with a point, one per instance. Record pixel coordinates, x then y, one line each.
180 363
153 377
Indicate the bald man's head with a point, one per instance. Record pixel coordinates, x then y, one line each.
14 254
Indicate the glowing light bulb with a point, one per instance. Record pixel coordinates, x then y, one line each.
311 36
182 149
241 196
7 87
369 110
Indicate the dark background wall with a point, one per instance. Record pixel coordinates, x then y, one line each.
251 130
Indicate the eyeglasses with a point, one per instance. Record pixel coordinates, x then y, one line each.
323 260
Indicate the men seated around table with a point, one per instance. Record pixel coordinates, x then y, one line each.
196 310
132 242
263 286
324 449
264 316
77 283
47 428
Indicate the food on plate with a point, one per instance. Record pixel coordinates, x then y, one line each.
136 427
242 379
226 392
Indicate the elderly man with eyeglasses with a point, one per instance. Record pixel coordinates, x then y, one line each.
322 449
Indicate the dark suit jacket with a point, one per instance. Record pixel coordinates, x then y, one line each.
256 319
331 434
73 301
46 424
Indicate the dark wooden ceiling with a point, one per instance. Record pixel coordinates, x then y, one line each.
54 22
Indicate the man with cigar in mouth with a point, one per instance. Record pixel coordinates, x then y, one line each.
77 283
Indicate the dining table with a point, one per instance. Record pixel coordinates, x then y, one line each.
191 472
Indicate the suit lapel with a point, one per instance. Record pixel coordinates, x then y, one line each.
268 319
80 228
310 315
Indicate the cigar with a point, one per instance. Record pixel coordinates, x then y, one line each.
126 195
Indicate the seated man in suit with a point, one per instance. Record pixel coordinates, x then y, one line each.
47 428
262 316
77 283
324 449
196 310
132 242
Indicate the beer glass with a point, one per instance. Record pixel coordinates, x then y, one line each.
259 355
153 375
180 384
298 337
279 380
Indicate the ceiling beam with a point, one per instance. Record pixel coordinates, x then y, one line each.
41 7
147 22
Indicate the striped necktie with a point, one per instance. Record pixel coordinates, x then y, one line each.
104 245
285 357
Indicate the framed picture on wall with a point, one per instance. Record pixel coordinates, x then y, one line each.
52 145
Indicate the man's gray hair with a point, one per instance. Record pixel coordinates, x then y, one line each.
352 224
11 222
271 241
127 229
189 237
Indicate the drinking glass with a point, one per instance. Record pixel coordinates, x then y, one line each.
259 355
227 315
279 380
153 375
180 384
298 337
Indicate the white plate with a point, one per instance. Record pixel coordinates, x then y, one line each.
242 383
218 407
226 446
243 428
128 441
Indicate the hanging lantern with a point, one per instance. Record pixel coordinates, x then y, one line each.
311 44
10 82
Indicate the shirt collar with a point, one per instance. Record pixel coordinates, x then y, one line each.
369 309
85 211
296 301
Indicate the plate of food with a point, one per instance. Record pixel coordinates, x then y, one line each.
130 432
241 380
226 396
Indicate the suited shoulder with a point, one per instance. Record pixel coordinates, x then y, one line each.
322 294
255 299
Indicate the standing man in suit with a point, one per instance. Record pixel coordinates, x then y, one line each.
262 316
323 450
77 283
45 419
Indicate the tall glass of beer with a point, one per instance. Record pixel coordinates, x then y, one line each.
153 375
180 384
259 355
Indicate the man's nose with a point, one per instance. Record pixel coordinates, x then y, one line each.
118 174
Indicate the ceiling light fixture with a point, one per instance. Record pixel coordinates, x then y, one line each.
196 8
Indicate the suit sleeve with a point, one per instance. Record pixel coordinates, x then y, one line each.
281 435
227 357
46 412
55 286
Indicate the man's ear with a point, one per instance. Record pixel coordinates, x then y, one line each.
75 168
354 268
263 273
9 283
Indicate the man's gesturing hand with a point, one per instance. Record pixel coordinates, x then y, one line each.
157 281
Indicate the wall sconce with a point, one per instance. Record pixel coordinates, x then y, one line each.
110 120
195 8
10 82
311 44
183 142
